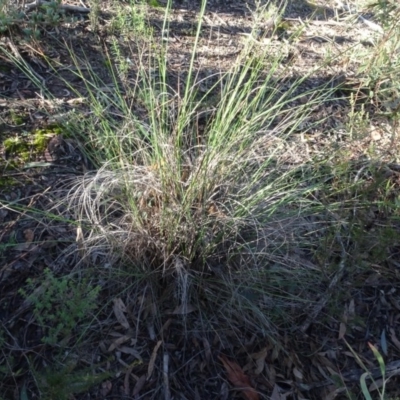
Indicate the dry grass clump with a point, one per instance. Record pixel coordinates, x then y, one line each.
212 211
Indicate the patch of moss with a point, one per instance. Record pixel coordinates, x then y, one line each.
7 182
283 29
40 140
41 137
30 144
16 119
154 3
55 129
49 130
18 147
9 165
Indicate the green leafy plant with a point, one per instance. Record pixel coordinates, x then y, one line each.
9 15
59 304
366 390
379 70
47 14
367 374
130 19
386 12
61 383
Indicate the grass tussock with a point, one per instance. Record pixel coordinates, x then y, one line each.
210 210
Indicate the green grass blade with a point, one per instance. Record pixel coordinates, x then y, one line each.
364 387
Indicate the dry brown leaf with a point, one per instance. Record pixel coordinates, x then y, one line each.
166 326
153 359
126 380
224 392
29 235
238 379
352 309
275 395
376 385
120 303
394 338
118 342
260 360
334 393
119 308
183 309
106 388
275 353
132 352
139 386
271 373
207 349
297 373
322 371
321 359
342 330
